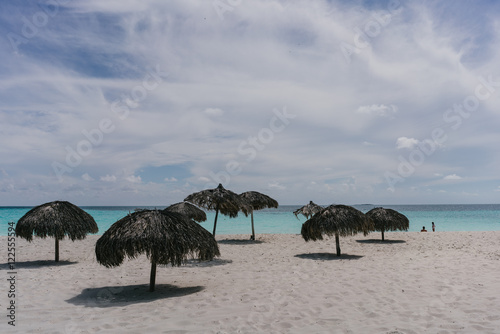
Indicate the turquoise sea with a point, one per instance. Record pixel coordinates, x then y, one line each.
470 217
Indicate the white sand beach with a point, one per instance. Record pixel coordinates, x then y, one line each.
442 282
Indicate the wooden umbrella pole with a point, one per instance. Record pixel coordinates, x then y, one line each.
152 278
215 222
253 230
57 250
337 243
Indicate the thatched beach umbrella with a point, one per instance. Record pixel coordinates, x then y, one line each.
56 219
258 201
221 200
338 220
388 220
308 210
188 209
165 237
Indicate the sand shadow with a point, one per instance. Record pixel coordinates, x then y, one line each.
380 241
328 256
118 296
202 264
36 264
239 242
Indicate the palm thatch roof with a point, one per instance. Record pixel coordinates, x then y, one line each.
258 201
56 219
308 210
388 220
221 200
225 201
165 237
338 220
188 209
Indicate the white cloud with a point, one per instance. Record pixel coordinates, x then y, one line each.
108 178
452 177
4 173
380 110
276 185
87 177
214 112
133 179
172 179
405 142
204 179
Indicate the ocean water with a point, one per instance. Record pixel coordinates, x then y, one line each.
470 217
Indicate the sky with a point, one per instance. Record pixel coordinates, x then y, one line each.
348 102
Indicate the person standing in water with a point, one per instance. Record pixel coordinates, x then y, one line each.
433 227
